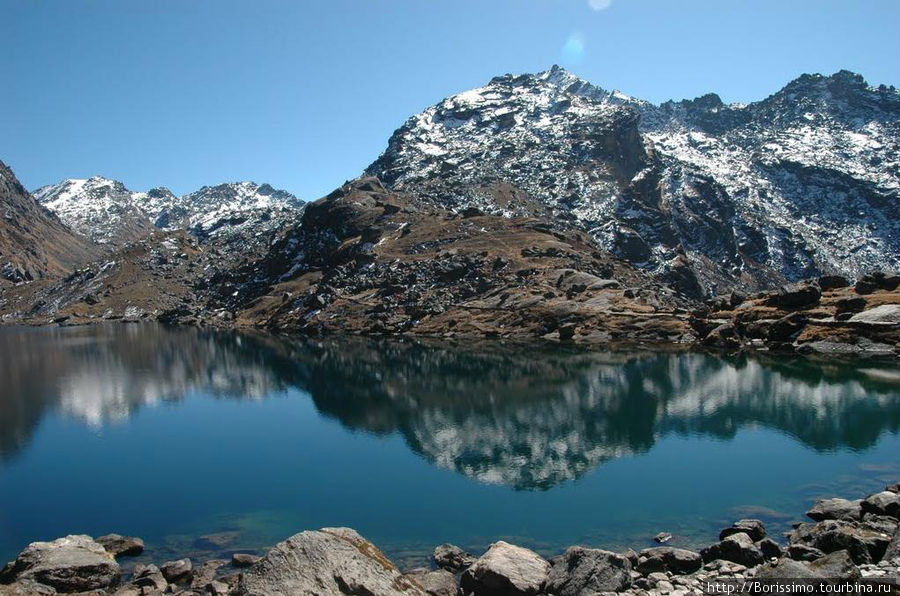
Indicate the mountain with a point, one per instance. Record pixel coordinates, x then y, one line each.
803 182
98 208
33 242
109 213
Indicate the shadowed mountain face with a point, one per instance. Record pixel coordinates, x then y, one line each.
33 242
529 418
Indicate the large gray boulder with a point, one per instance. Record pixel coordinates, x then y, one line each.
883 503
754 528
327 562
886 314
737 548
837 566
865 544
70 564
587 571
177 571
506 570
835 509
668 559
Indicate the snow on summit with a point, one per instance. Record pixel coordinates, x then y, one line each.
109 213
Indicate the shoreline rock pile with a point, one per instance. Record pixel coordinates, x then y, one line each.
856 540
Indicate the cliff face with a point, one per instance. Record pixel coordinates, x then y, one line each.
33 243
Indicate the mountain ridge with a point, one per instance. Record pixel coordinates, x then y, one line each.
643 179
106 211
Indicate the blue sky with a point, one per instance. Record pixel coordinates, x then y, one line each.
304 94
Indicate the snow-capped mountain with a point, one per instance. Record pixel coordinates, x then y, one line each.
109 213
98 208
803 182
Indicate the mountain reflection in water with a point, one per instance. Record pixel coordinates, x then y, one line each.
528 417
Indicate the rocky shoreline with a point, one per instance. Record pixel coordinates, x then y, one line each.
847 541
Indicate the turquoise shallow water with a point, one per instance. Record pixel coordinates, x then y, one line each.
174 434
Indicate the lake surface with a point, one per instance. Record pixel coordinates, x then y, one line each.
173 434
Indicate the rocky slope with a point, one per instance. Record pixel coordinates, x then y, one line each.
803 182
33 243
109 213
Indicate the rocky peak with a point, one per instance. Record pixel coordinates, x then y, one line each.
787 187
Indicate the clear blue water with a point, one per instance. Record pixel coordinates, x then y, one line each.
174 434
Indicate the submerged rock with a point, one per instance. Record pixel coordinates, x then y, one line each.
243 560
70 564
587 571
330 561
452 558
121 546
506 570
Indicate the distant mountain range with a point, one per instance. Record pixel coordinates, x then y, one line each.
107 212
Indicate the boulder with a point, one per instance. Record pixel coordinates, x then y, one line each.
787 328
835 509
883 503
769 548
892 551
435 583
203 575
149 576
244 560
70 564
838 564
753 528
506 570
737 548
802 295
877 280
723 336
886 314
121 546
588 571
575 282
330 561
833 282
177 571
452 558
893 488
667 558
801 552
864 544
850 305
785 568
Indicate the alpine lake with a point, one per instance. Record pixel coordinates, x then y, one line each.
205 443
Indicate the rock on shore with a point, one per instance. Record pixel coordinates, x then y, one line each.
849 540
